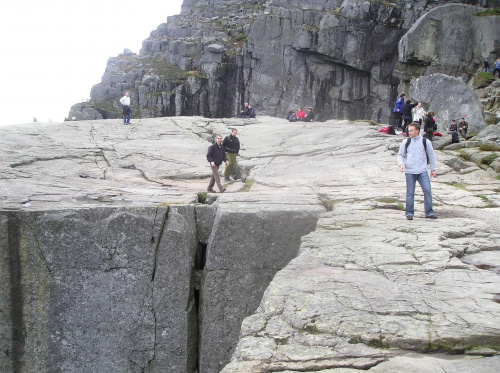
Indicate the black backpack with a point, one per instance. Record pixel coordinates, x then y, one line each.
424 142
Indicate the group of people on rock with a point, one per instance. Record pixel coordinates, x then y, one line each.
496 66
301 115
248 111
406 113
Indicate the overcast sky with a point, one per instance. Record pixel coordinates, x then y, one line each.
54 51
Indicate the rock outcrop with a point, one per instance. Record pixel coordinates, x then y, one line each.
336 56
440 56
111 261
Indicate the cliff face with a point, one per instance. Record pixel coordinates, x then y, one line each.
336 56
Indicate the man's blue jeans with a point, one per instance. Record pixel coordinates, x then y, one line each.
425 184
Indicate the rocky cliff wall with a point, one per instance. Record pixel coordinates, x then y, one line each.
336 56
119 289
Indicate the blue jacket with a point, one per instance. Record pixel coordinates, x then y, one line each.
399 105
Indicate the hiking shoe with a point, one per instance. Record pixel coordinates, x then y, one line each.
409 217
211 190
227 179
431 217
223 190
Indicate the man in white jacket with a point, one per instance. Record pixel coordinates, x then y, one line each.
127 112
415 153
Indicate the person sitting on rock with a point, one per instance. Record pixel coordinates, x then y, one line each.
244 112
462 128
293 116
309 115
251 112
301 114
453 130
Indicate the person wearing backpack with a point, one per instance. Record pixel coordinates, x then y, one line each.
415 153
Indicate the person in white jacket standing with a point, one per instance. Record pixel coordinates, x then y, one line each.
415 153
419 113
127 112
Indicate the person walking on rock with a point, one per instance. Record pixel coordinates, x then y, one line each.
127 112
216 155
415 153
231 145
398 110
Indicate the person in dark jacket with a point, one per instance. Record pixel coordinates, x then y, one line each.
231 144
244 112
462 128
309 115
486 66
398 110
429 125
251 112
216 155
453 131
407 114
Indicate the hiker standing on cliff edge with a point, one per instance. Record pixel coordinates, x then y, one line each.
232 147
216 155
413 156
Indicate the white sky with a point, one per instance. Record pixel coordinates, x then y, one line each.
54 51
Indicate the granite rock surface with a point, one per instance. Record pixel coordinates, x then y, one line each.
103 221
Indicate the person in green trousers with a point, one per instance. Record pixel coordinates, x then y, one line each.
231 144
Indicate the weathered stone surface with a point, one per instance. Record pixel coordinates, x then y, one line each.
363 280
450 98
491 134
243 254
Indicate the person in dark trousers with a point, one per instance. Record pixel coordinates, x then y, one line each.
216 155
486 66
231 145
453 130
429 125
127 112
407 114
244 112
413 158
251 112
398 110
